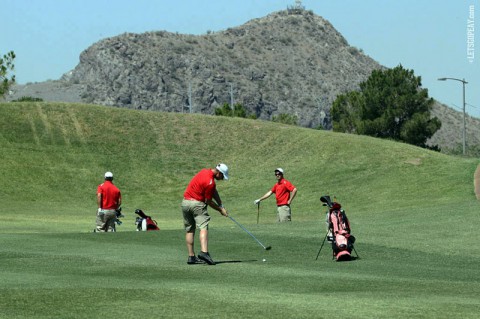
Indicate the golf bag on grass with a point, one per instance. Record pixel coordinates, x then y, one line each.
339 230
144 222
118 215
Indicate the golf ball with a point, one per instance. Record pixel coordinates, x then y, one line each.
264 259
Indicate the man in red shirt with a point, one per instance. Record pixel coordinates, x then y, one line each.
285 193
200 192
109 200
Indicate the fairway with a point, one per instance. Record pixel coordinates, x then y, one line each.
413 212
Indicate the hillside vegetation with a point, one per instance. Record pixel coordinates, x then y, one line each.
413 212
54 156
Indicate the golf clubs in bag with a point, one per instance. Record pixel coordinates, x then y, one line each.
339 228
118 215
144 222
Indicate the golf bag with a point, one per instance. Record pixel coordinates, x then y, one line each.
339 227
118 215
144 222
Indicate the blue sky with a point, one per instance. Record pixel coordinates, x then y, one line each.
428 36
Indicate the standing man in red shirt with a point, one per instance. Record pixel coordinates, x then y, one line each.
200 192
285 193
109 200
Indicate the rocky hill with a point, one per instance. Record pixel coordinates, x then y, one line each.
292 62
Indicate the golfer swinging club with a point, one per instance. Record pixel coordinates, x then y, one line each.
285 193
200 192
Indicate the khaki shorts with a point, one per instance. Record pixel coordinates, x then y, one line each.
195 215
284 213
106 220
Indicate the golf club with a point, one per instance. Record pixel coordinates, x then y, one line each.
258 212
240 225
318 254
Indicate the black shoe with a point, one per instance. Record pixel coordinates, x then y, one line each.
330 238
192 260
206 258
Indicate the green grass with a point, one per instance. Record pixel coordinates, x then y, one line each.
413 212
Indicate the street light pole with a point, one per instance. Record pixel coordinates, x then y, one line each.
463 85
464 129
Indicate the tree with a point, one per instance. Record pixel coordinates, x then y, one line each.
6 64
390 104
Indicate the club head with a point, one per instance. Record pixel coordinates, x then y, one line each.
326 200
268 248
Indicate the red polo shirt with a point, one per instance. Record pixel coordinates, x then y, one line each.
110 195
201 187
282 191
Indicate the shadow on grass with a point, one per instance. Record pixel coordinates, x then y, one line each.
234 261
352 258
226 262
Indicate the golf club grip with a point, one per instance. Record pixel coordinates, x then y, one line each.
258 212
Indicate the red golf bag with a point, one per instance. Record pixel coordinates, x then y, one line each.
339 228
144 222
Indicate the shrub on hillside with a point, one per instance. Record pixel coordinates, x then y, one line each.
286 119
238 111
28 99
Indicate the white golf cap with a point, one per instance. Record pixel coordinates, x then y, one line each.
222 168
108 174
279 170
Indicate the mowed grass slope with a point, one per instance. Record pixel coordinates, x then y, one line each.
413 212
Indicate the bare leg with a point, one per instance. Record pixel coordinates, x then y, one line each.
189 239
204 240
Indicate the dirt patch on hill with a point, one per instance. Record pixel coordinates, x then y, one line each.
476 182
414 161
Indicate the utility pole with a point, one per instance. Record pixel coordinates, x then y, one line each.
231 99
190 96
